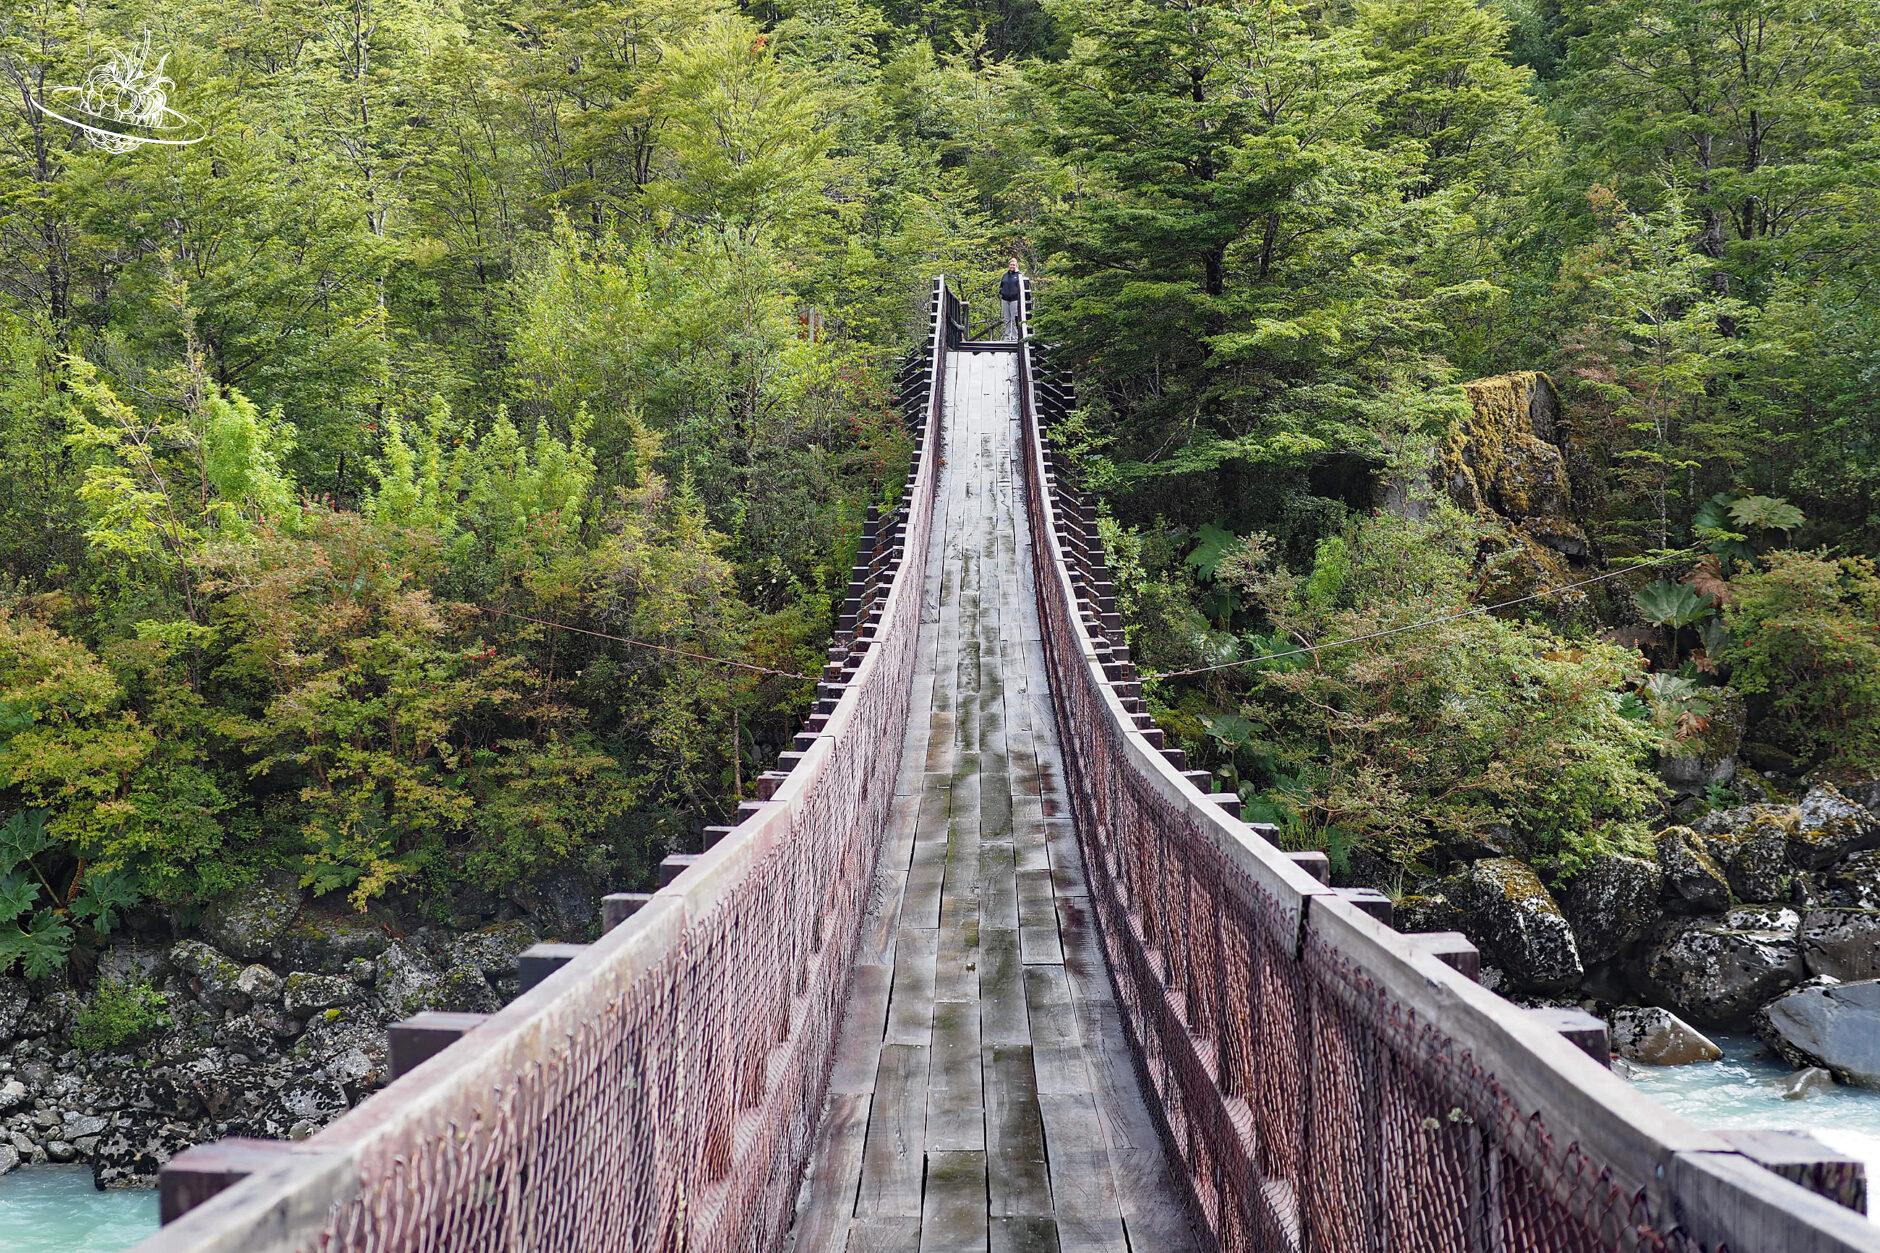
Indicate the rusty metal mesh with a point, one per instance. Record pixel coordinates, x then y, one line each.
1310 1109
674 1108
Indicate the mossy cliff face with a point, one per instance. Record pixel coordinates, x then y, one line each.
1504 461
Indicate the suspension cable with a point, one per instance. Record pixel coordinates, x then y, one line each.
658 648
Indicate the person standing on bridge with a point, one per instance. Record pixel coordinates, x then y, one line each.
1011 291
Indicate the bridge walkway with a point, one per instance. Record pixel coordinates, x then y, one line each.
983 1096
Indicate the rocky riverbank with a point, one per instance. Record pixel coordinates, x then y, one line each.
1763 916
269 1022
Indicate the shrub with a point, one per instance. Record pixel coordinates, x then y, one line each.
119 1014
1805 648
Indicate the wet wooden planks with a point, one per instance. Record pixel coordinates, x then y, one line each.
983 1097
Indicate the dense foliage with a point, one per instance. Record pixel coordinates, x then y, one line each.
463 320
468 317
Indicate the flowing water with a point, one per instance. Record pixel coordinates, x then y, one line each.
54 1209
1745 1090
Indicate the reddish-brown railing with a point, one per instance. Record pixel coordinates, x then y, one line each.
1328 1083
660 1090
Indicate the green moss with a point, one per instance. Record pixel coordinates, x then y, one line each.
119 1014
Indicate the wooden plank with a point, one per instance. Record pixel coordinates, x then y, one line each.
881 1235
1057 1040
893 1154
953 1217
910 1003
1083 1189
1002 1015
1029 1235
858 1048
956 1115
822 1221
1015 1148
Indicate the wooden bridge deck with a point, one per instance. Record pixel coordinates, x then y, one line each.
983 1097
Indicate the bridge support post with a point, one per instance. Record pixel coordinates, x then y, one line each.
1798 1156
539 961
1453 949
200 1173
1581 1029
617 907
419 1038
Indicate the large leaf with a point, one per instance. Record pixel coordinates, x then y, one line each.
104 896
1211 544
17 895
22 837
1671 604
41 949
1769 513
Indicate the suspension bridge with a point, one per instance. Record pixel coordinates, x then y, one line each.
984 966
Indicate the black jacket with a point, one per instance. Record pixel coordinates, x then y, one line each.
1009 286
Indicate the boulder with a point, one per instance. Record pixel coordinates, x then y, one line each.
1828 826
1776 919
249 922
9 1159
1854 882
132 960
1516 923
1716 974
564 901
259 984
13 1094
1708 759
1611 903
328 945
78 1126
214 977
1691 875
1806 1082
1429 911
304 993
1755 856
492 949
1842 943
352 1054
1658 1037
1836 1027
408 981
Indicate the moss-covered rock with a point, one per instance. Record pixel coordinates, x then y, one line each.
1708 758
1503 460
1692 878
1752 846
216 977
329 944
1853 881
1715 974
1510 915
305 993
1828 826
248 923
1611 903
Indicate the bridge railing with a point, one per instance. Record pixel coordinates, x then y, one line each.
1325 1082
661 1089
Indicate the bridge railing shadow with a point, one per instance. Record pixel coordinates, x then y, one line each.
1325 1081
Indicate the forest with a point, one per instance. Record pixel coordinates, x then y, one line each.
472 326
